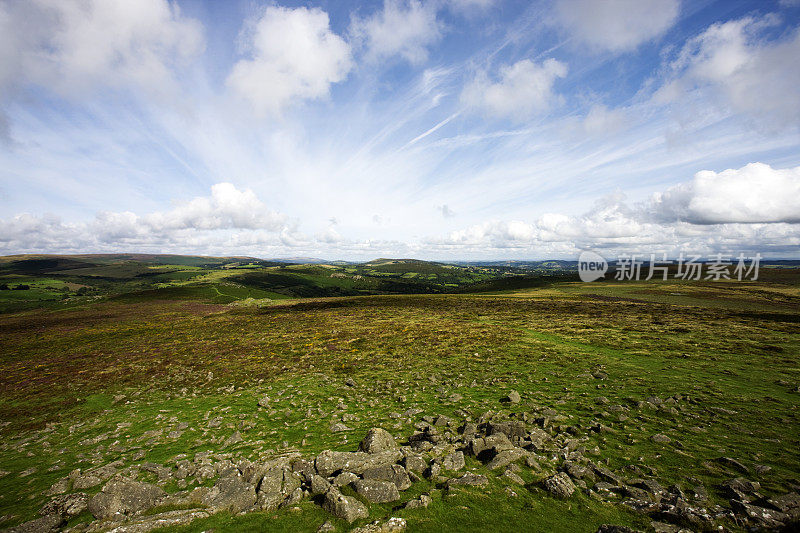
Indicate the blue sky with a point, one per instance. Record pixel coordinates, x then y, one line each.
451 129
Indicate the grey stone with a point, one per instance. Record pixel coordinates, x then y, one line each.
232 493
393 525
45 524
124 497
415 463
319 485
376 491
394 473
453 461
377 440
559 485
67 505
345 478
513 397
423 501
506 457
328 462
344 507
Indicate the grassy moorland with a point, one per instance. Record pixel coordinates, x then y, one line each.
688 384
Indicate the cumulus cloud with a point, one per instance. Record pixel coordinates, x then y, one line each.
524 89
201 220
754 193
294 56
749 209
403 28
742 71
616 25
72 46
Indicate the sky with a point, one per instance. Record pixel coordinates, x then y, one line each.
443 130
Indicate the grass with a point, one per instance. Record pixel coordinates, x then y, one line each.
107 380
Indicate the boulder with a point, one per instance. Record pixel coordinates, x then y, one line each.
319 485
453 461
124 497
67 505
344 507
377 440
232 493
415 463
394 473
559 485
513 397
45 524
328 462
485 448
506 457
376 491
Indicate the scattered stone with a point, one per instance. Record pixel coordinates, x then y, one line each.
415 463
514 478
233 439
423 501
124 497
513 397
376 491
506 457
326 527
344 479
393 525
660 438
319 485
67 505
46 524
377 440
232 493
559 485
394 473
733 463
454 461
338 427
763 517
350 382
344 507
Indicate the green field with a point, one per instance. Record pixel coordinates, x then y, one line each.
162 361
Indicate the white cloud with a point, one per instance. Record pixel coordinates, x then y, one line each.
741 70
753 193
72 46
294 56
616 25
404 28
227 213
749 209
524 89
600 120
